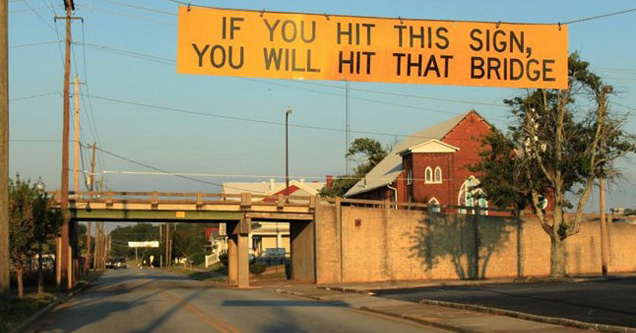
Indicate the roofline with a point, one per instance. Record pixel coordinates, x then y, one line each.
464 117
365 190
410 149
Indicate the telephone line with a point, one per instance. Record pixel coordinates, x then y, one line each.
585 19
268 122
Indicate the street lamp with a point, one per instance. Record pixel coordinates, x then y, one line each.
287 113
40 187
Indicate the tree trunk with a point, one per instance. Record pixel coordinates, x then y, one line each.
557 257
19 273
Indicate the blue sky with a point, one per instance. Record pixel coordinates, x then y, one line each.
126 52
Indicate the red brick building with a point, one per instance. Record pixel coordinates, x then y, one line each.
430 166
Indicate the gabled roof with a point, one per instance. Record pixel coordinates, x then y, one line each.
390 167
430 146
271 188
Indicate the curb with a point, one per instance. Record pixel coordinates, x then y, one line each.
418 320
45 310
389 314
461 283
542 319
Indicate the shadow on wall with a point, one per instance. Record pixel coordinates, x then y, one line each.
465 242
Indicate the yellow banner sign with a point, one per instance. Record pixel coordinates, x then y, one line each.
323 47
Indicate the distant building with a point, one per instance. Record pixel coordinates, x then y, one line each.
430 166
267 235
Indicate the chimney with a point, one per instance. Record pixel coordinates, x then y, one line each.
302 180
271 184
329 181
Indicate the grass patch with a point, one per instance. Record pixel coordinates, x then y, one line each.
216 272
19 310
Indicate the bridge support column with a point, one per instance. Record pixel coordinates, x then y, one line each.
243 261
302 237
238 253
232 255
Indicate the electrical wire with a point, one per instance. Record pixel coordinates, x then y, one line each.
33 44
216 175
625 106
268 122
35 96
155 168
585 19
92 7
157 11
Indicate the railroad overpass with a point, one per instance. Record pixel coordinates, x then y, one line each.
236 211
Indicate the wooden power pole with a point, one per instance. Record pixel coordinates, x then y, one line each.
91 184
4 150
65 257
168 261
604 233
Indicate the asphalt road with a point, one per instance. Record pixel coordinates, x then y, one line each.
611 302
155 301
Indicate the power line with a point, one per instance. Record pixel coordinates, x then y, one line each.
155 168
585 19
33 44
92 7
39 16
268 122
35 96
140 7
599 16
625 106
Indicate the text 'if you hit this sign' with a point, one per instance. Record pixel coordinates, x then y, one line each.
322 47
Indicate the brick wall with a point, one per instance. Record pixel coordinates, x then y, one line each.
387 245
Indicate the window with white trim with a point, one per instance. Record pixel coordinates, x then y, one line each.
438 175
434 205
428 175
471 196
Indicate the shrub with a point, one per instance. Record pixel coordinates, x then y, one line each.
258 269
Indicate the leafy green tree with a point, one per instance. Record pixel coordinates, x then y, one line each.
368 152
139 232
189 241
32 222
560 143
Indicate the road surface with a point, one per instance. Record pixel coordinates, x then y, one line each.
130 300
611 302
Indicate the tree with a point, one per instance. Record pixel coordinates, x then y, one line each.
560 143
369 153
32 222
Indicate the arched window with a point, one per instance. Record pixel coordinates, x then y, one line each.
438 175
434 205
471 196
428 175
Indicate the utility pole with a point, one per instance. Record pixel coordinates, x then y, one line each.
76 183
601 115
65 256
167 244
604 238
76 141
4 150
287 113
91 184
347 127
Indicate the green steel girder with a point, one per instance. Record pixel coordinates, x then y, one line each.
153 215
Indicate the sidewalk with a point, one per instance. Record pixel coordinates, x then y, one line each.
367 288
457 320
